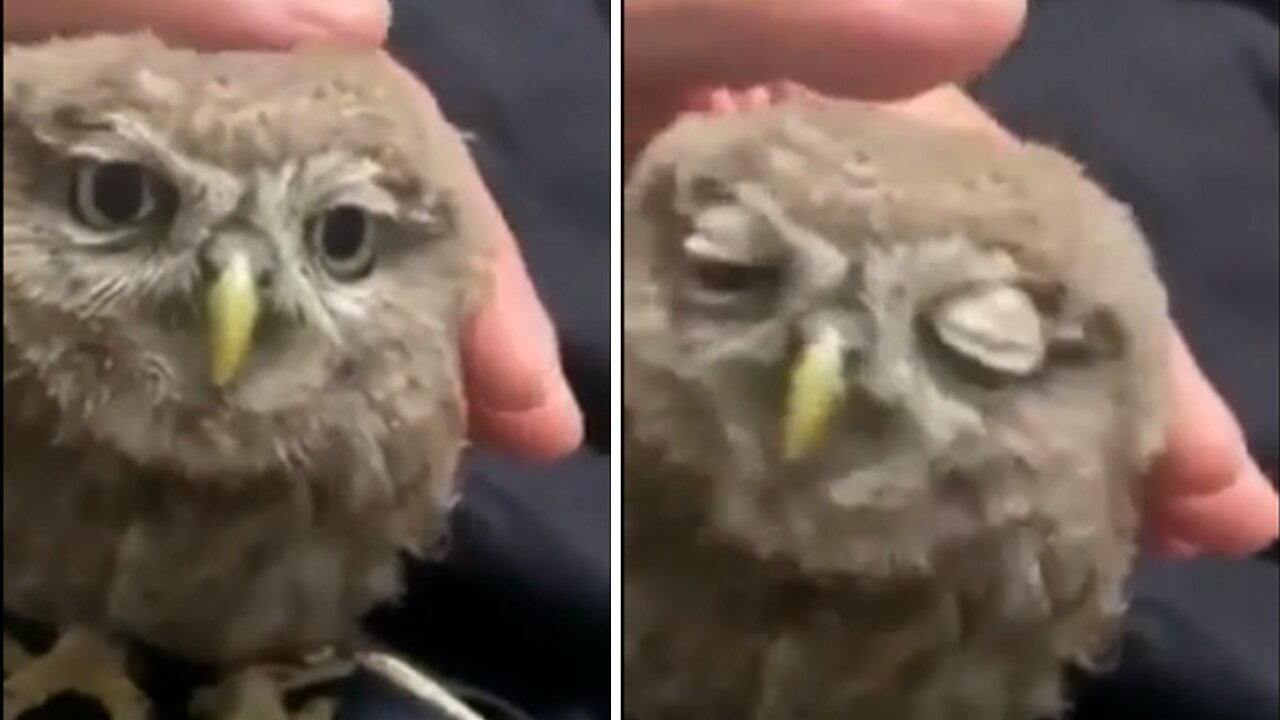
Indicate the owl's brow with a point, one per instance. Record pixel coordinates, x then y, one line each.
114 133
823 264
120 136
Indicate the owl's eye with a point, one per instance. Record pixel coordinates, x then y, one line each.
114 195
343 238
716 271
997 327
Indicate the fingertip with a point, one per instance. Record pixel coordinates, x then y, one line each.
520 401
993 26
511 353
1242 518
1205 450
923 44
544 433
509 356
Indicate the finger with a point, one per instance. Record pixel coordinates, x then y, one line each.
520 400
867 48
1205 451
1242 518
201 23
872 49
517 393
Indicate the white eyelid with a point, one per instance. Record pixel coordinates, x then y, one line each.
92 152
996 326
702 248
723 234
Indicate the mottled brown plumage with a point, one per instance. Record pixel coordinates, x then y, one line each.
226 510
960 526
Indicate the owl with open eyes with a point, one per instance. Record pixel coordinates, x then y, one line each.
233 289
890 390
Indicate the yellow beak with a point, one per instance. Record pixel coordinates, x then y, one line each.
233 314
815 392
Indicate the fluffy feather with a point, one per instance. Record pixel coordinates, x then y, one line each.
967 527
258 519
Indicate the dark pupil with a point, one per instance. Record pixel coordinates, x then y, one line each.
722 277
120 191
343 233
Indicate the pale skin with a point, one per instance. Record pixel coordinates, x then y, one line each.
1209 495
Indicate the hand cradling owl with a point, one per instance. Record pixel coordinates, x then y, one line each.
233 288
890 392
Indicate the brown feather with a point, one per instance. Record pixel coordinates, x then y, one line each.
964 535
261 519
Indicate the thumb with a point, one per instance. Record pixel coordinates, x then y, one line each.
201 23
874 49
868 49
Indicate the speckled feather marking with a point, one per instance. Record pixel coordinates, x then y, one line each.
965 531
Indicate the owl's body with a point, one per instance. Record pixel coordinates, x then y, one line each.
229 495
989 327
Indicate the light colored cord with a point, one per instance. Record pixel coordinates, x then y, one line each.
419 685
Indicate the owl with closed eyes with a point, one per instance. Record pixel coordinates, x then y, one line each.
233 289
890 390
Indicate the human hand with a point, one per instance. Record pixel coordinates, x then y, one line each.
1207 493
869 49
519 397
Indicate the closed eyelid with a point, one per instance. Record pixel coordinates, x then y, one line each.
731 234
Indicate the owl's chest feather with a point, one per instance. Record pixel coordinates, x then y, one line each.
213 576
714 631
745 643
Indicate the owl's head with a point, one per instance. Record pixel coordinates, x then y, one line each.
874 340
223 259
